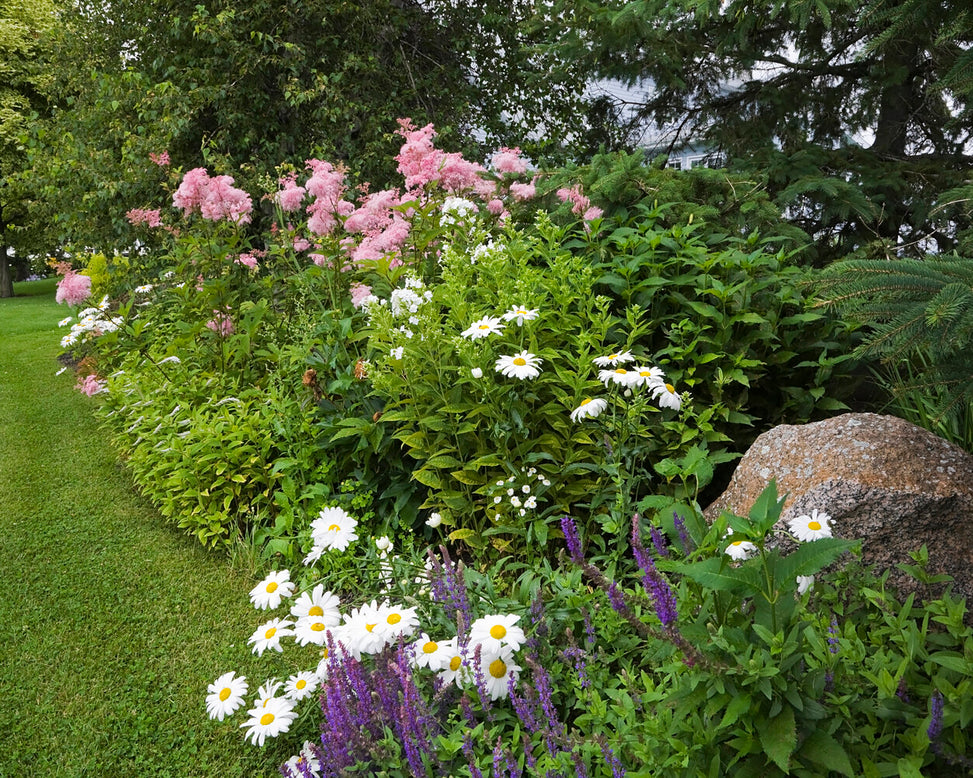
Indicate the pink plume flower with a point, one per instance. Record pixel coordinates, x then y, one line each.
216 198
148 217
191 191
359 292
247 260
90 385
374 214
73 289
224 201
162 160
521 192
221 324
495 207
592 213
509 161
291 196
301 244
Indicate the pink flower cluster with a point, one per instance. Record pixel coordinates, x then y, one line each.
150 218
248 260
90 385
73 289
422 163
162 159
359 293
221 324
216 197
581 204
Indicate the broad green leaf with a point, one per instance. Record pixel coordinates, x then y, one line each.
822 749
779 738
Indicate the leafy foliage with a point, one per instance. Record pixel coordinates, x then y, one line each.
919 314
857 114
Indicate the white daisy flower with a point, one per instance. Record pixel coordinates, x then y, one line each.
804 583
318 603
333 529
496 632
271 719
269 592
520 314
300 685
614 360
65 322
396 622
665 395
311 629
497 670
451 665
360 630
618 376
482 328
268 635
306 761
813 527
522 365
739 550
434 520
590 408
530 503
267 691
144 289
650 377
430 653
225 695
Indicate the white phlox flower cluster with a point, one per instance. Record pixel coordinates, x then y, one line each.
456 210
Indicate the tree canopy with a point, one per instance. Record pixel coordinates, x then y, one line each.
859 114
24 87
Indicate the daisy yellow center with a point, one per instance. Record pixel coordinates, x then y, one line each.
270 633
736 542
315 610
267 719
300 684
671 388
613 356
520 361
225 694
522 312
498 631
318 626
585 401
430 647
814 525
394 618
454 663
369 627
484 326
645 373
272 587
620 370
334 528
498 669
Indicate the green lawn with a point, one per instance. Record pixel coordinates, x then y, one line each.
114 623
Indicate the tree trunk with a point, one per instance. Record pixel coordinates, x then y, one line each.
6 277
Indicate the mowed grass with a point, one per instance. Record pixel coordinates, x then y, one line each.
112 622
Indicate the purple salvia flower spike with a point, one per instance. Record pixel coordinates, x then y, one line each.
936 716
572 539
